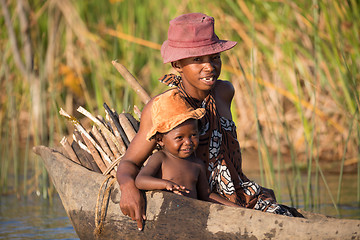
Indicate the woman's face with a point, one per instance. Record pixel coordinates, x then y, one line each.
199 73
183 140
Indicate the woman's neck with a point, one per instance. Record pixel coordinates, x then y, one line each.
195 93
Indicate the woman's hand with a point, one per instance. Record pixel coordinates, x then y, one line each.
132 204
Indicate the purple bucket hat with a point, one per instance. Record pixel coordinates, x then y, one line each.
192 35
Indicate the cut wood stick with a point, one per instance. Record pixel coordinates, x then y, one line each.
95 154
69 150
85 134
135 123
100 124
78 139
101 119
82 155
144 96
104 145
116 122
85 153
117 134
126 125
112 146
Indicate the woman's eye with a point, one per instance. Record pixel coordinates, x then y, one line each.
217 57
196 59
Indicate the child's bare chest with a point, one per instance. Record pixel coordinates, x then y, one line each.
182 172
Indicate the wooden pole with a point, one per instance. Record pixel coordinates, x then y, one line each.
144 96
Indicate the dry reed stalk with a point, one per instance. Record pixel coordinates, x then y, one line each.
144 96
70 151
100 124
127 126
122 147
95 154
131 38
12 38
86 134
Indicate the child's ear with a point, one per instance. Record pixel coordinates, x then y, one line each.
176 65
159 140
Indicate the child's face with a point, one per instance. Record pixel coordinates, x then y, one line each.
200 72
183 140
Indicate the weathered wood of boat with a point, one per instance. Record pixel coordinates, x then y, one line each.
170 216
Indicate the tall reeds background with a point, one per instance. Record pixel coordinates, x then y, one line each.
295 70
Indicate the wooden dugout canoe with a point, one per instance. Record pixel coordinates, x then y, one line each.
170 216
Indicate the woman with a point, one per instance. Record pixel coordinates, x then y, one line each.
193 49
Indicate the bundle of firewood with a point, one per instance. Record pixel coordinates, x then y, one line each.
101 148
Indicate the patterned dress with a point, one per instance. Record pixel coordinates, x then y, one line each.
220 151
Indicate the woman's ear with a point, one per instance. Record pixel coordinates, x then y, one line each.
176 65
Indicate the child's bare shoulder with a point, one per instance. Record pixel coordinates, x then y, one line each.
158 155
198 162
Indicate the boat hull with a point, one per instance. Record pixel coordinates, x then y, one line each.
170 216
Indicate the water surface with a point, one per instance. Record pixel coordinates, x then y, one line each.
34 218
37 218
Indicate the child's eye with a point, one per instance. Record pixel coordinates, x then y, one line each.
196 59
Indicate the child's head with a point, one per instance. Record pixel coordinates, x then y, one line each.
182 140
169 110
192 35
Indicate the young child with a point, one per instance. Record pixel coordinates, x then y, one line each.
175 167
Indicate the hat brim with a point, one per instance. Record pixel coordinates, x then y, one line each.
172 54
175 121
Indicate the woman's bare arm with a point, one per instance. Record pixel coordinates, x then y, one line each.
131 201
224 93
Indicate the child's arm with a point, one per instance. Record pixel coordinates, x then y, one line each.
204 191
146 179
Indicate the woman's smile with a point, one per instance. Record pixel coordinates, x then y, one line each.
208 80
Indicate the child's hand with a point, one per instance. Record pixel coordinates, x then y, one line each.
175 188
